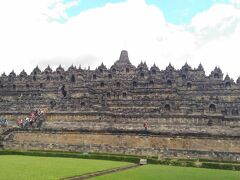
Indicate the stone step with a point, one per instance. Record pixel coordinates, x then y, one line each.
1 141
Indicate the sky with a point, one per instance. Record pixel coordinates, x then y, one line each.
87 33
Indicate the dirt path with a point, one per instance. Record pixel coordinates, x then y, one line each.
100 173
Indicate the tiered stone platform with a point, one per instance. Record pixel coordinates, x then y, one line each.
189 114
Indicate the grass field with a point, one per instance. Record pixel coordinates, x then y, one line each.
156 172
32 168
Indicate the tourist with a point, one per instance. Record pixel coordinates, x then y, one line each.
145 125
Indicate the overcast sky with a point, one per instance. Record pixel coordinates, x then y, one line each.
53 32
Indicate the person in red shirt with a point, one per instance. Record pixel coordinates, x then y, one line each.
20 122
145 125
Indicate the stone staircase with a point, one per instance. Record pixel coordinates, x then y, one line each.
4 132
1 142
1 138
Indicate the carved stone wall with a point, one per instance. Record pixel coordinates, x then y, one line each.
128 143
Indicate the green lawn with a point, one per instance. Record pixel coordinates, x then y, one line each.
30 168
155 172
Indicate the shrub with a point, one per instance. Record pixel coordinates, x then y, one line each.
72 155
226 166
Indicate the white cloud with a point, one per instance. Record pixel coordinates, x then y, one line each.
28 38
235 1
57 10
220 20
217 37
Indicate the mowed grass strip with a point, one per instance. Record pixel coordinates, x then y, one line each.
155 172
17 167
